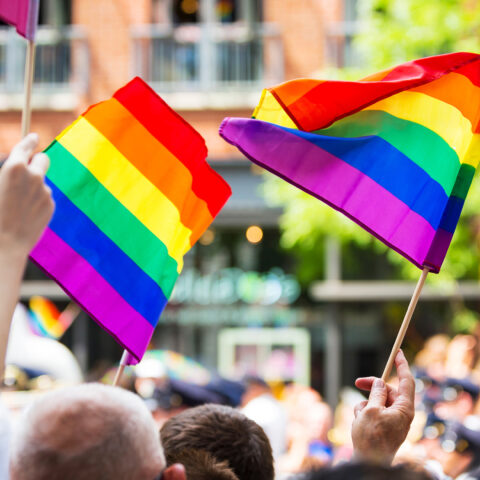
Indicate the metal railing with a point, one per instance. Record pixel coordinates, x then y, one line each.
340 50
208 57
61 61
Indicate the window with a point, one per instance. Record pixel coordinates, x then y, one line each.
208 45
185 11
55 13
340 50
53 59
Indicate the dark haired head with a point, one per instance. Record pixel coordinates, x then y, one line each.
201 465
223 432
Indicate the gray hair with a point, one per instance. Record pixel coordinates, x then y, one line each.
87 432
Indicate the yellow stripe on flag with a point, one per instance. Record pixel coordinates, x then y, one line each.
440 117
269 110
134 191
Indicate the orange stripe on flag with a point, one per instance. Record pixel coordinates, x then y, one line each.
457 90
153 160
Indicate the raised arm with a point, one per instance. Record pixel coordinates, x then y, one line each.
26 206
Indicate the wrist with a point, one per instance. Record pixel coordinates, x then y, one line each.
11 250
13 259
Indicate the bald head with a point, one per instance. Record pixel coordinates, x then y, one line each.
87 432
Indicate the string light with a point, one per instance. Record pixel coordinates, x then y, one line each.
189 6
207 238
254 234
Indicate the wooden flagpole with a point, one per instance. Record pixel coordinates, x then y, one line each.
405 324
121 368
29 73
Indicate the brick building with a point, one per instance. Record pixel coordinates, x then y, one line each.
208 59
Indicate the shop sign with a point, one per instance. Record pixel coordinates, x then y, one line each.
235 315
231 285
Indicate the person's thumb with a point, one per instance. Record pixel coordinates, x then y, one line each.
378 394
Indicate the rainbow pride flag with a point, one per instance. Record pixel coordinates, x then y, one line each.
133 193
22 14
395 152
46 320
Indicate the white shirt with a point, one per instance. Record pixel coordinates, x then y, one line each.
269 413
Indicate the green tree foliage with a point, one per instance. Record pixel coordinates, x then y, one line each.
395 31
391 32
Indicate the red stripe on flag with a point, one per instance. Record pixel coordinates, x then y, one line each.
179 137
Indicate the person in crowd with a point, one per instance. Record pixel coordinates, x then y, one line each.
99 432
26 206
201 465
86 432
457 400
431 358
380 426
450 447
309 420
223 432
259 404
367 471
90 431
451 434
462 354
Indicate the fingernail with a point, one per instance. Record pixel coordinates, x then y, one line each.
378 383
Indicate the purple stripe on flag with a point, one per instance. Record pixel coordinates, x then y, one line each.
93 293
438 249
335 182
22 14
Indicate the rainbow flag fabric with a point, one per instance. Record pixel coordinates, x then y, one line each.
395 152
46 320
133 192
22 14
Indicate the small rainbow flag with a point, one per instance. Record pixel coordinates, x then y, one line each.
395 152
133 193
22 14
46 320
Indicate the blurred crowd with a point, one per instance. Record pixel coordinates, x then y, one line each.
446 429
303 430
180 421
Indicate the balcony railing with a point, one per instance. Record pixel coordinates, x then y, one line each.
340 50
206 58
61 61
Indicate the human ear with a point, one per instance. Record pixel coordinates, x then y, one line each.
175 472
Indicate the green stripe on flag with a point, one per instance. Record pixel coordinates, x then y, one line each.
111 217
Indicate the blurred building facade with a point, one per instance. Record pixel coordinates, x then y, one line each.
208 59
